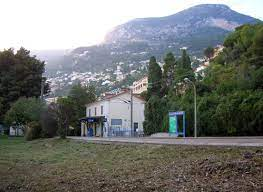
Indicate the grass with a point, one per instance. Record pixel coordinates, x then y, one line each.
67 165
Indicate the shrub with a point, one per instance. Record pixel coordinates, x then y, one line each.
33 130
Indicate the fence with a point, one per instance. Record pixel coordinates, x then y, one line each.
124 132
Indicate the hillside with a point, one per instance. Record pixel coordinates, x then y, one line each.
131 44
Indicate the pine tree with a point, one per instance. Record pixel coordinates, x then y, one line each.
185 61
154 78
183 69
168 72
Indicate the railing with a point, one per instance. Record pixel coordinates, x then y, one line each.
124 133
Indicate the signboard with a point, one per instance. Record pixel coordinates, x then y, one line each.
90 120
176 113
172 124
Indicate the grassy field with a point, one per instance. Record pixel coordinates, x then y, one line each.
66 165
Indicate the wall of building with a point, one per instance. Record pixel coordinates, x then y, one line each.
118 109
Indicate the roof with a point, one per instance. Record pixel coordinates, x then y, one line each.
116 95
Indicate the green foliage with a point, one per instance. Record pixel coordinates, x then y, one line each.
64 113
49 124
209 52
168 71
229 97
153 115
232 104
183 69
33 131
20 76
154 77
24 111
69 110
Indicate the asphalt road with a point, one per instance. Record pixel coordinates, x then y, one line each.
215 141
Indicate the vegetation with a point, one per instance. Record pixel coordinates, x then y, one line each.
230 96
26 112
66 165
20 76
209 52
69 110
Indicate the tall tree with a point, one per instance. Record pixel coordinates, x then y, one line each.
168 72
20 76
154 78
183 69
80 96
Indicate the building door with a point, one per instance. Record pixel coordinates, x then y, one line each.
135 126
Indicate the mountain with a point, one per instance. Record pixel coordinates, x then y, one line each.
131 44
194 23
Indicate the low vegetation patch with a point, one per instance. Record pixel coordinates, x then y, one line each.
67 165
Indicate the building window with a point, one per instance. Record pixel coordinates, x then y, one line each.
101 110
89 112
95 111
116 122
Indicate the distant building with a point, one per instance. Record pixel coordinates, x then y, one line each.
119 74
51 100
206 62
16 130
111 116
140 85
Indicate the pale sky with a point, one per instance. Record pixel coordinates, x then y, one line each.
67 24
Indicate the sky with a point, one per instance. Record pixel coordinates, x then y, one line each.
67 24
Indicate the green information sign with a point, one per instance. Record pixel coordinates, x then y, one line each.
172 124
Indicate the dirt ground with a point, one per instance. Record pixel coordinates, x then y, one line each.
67 165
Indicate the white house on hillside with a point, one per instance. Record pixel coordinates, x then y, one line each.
111 116
140 85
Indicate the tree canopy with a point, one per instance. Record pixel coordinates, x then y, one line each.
20 76
229 97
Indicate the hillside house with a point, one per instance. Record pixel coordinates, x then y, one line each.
140 85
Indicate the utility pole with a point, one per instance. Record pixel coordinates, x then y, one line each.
42 89
131 111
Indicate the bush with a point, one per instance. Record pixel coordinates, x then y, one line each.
48 123
33 130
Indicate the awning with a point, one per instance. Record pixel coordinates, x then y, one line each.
94 119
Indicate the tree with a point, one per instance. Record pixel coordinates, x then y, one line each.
209 52
153 116
168 72
48 121
64 114
69 110
185 61
183 69
154 78
23 112
20 76
80 96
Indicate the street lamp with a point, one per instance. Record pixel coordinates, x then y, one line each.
189 81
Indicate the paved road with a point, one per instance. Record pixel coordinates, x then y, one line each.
215 141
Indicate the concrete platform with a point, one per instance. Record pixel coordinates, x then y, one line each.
214 141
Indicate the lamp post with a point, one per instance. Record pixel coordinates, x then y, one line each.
195 126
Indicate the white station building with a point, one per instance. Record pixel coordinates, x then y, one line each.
111 116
